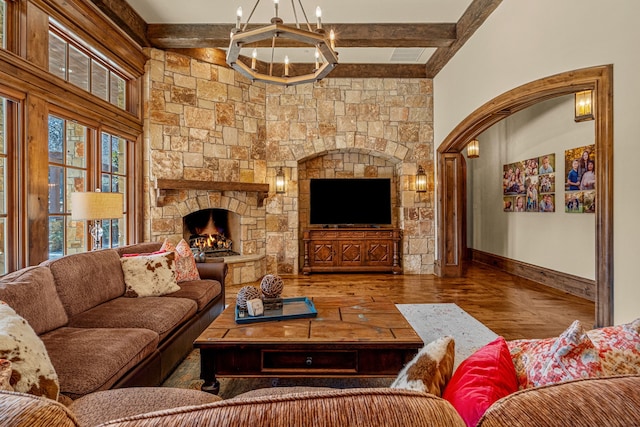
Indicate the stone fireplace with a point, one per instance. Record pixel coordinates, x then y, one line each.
207 124
236 215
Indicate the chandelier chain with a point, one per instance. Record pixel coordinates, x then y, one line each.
250 15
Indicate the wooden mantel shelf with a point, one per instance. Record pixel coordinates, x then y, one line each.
182 184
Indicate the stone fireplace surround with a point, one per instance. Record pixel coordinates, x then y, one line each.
205 123
247 225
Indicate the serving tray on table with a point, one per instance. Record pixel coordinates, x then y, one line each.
292 308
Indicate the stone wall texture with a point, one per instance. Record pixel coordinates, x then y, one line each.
204 122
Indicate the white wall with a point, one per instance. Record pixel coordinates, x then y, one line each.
531 237
524 41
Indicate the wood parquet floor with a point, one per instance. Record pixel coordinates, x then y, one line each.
509 305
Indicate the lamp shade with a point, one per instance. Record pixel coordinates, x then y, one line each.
96 205
473 149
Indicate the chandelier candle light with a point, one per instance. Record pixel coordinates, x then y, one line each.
282 37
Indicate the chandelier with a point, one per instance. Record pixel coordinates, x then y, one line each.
278 36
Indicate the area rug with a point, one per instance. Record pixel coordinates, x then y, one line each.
430 321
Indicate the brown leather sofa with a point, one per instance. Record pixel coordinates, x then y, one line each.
97 338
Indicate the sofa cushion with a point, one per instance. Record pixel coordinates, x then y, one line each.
611 401
200 291
32 371
20 409
161 315
619 348
150 275
345 407
44 313
480 380
87 279
571 355
103 406
430 369
88 360
139 248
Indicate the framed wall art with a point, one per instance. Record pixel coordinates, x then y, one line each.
580 179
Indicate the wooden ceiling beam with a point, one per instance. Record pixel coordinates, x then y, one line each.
166 36
125 17
475 15
406 71
399 71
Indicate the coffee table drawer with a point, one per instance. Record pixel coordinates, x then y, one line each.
309 361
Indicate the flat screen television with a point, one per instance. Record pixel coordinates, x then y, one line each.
350 201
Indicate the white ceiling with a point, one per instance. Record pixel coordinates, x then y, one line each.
333 11
338 11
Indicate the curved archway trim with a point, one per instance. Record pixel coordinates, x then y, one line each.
451 219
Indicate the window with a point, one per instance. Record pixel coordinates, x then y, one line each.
78 65
113 177
3 185
68 143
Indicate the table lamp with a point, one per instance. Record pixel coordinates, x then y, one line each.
96 206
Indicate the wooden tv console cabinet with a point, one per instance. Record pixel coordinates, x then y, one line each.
352 250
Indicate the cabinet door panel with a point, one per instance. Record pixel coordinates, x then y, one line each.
350 253
379 253
323 254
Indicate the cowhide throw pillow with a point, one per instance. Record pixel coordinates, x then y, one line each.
31 368
150 275
431 369
5 375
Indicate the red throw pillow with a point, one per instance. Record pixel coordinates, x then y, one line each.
480 380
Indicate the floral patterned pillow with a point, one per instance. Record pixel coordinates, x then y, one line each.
618 347
186 263
570 356
186 268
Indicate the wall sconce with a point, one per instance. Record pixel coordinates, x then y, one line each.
473 149
421 180
584 106
96 206
280 181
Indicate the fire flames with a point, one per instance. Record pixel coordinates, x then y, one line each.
211 243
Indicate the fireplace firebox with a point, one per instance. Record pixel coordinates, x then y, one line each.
212 231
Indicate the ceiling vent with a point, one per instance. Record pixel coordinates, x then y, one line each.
406 54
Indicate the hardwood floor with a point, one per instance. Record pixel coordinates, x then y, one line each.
509 305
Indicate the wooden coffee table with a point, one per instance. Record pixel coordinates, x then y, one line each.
350 337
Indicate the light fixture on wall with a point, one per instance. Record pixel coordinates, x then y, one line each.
281 37
421 180
96 206
584 106
473 149
280 181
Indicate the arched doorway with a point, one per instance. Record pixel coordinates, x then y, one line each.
451 220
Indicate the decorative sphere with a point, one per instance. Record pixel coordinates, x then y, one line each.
272 286
246 293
